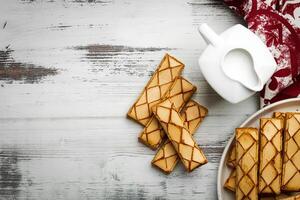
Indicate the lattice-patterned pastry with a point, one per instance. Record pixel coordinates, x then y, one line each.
231 157
180 93
291 159
246 163
230 182
193 114
231 160
184 144
279 115
162 79
166 157
270 165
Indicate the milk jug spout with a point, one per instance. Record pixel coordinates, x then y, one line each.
209 35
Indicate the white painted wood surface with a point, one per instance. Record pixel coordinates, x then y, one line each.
65 135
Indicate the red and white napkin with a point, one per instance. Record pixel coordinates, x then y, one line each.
277 23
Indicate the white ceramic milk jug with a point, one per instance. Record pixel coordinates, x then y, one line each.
235 63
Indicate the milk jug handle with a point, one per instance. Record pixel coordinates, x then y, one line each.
209 35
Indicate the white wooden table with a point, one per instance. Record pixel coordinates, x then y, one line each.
70 70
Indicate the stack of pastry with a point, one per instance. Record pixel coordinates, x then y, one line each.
170 117
265 162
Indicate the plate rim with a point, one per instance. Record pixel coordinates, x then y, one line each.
221 164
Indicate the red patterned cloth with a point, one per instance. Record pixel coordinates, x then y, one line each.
277 23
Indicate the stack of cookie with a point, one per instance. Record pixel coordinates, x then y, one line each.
170 117
266 162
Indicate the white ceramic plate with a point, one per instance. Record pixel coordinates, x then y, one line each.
289 105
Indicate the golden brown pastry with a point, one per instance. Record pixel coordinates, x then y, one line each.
279 115
230 182
180 93
291 159
246 163
184 144
166 157
193 114
231 157
168 70
270 165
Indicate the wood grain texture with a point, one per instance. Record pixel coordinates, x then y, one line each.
64 134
